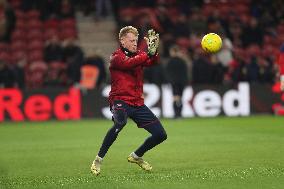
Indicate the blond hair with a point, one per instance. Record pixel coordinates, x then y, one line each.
127 29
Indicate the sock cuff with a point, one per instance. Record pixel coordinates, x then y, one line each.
135 155
99 158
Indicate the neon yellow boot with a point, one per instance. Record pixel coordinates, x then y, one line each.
96 166
139 161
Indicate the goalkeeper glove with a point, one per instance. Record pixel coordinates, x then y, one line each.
152 41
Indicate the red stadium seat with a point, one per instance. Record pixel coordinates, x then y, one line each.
36 74
35 45
281 37
280 29
51 23
224 9
68 23
5 56
35 55
208 9
20 15
20 24
33 14
241 9
16 3
18 34
35 35
68 33
127 12
4 47
17 56
18 45
37 65
34 24
268 50
50 32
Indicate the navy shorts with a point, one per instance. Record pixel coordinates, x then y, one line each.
141 115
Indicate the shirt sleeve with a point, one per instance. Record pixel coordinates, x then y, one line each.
121 61
152 60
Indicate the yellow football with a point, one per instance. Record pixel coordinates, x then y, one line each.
211 43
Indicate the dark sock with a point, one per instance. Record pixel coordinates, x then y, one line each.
108 140
158 136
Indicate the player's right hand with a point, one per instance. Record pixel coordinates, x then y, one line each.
152 41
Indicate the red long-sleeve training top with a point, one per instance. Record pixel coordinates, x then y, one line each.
126 73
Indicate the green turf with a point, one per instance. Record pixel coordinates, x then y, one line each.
199 153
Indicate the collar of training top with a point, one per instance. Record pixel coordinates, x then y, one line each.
127 52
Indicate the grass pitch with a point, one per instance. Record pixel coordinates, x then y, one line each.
199 153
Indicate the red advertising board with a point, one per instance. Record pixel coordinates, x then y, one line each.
242 99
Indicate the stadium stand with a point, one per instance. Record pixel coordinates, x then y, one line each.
251 34
29 38
251 41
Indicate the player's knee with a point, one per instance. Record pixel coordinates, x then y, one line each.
159 133
161 136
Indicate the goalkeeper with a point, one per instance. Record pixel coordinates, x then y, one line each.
126 96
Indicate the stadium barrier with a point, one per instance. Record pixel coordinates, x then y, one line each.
243 99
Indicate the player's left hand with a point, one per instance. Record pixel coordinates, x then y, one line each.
152 41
